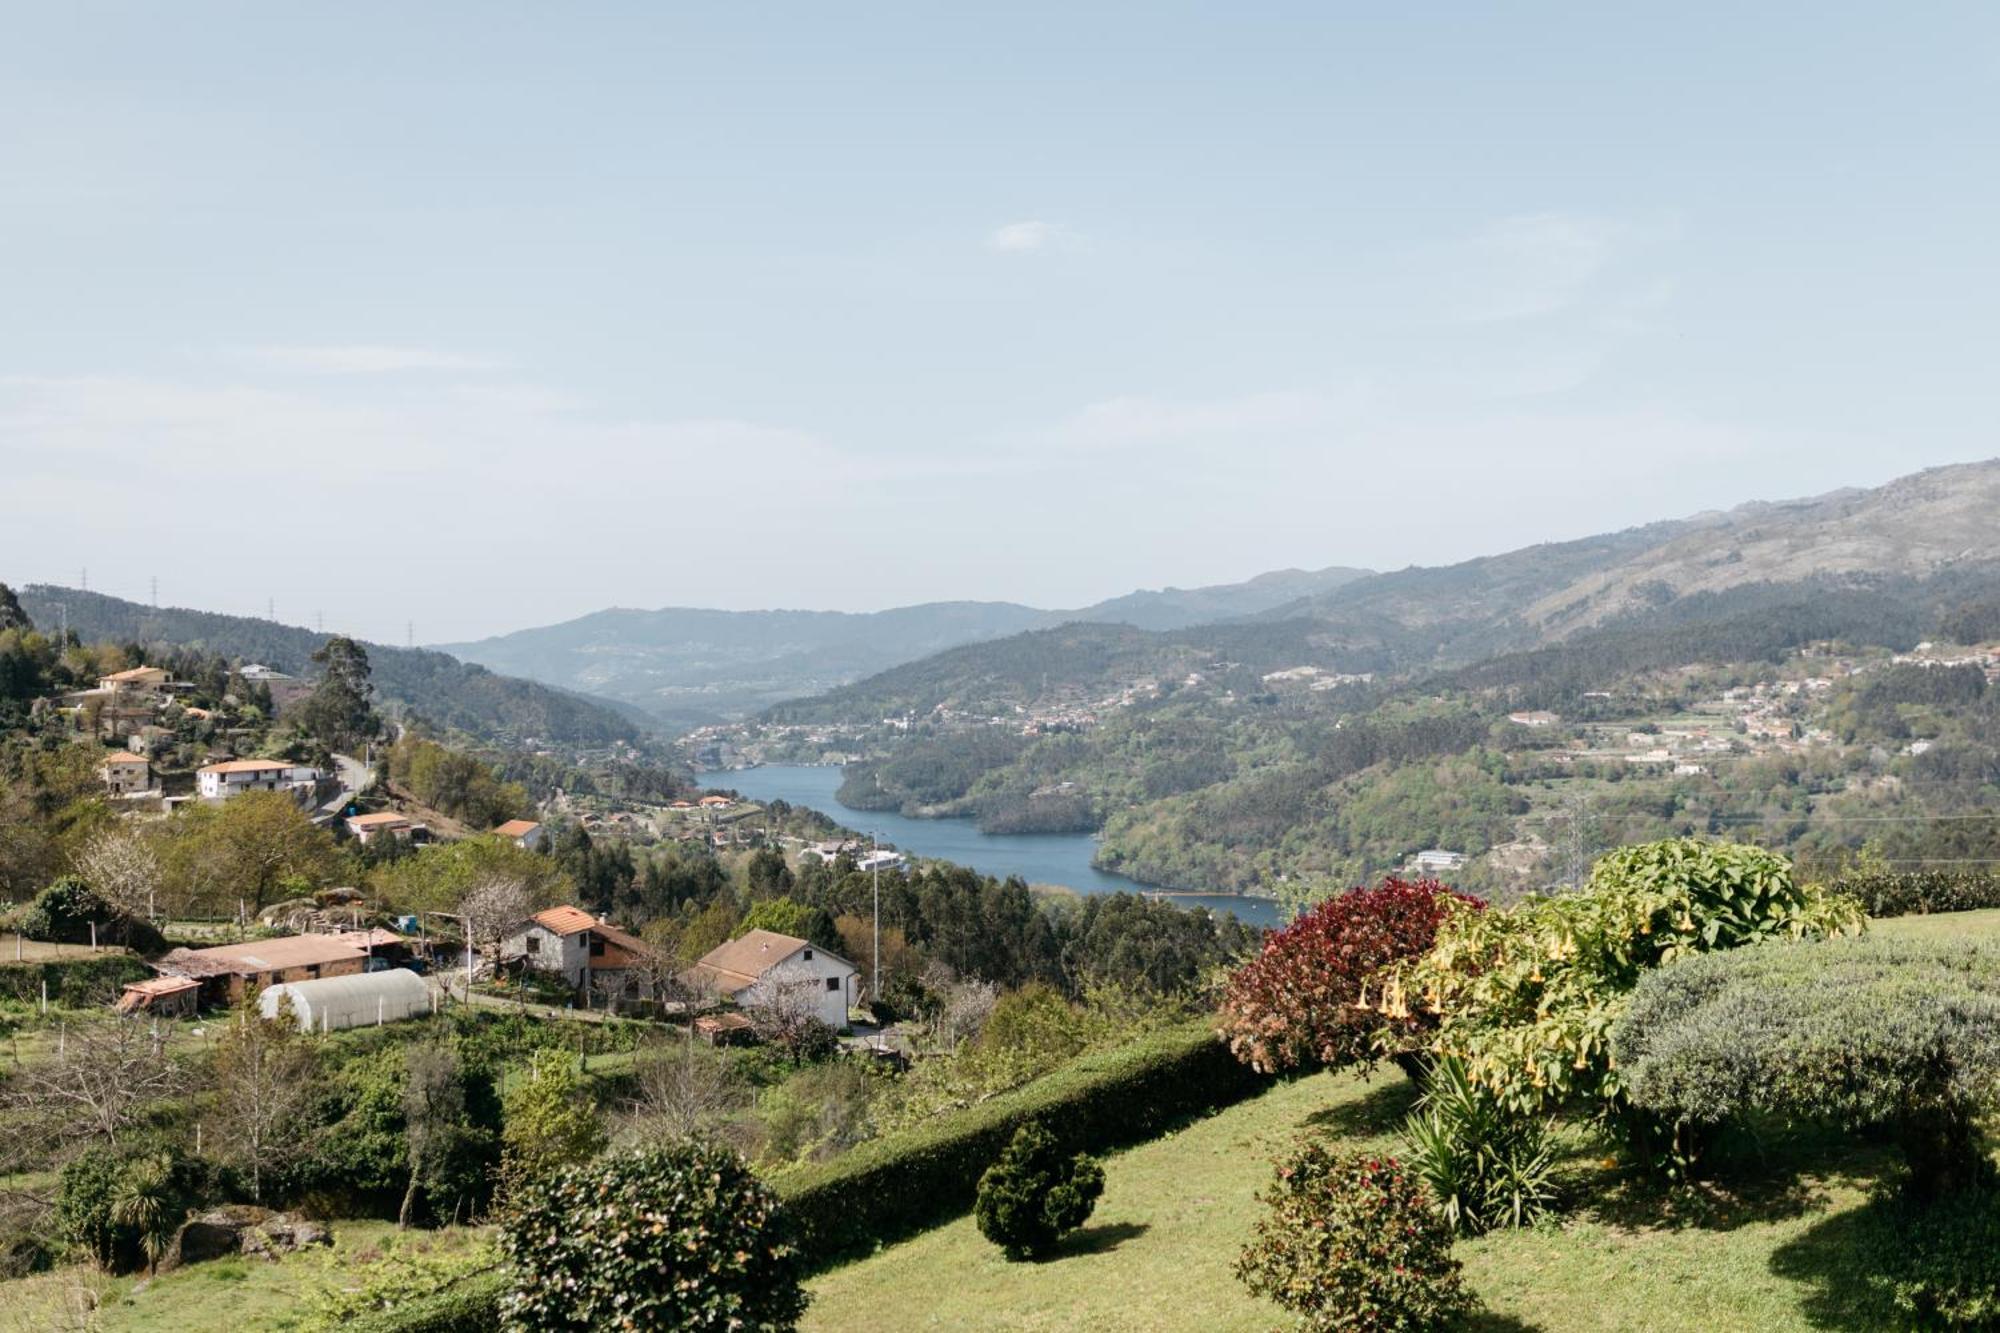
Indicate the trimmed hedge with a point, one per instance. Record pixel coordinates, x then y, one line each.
470 1305
76 982
891 1187
1919 893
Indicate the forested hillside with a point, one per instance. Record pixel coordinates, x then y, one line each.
441 689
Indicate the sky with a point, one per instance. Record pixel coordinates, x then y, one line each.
451 319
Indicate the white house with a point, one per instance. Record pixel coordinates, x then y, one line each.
523 833
577 946
763 967
1436 861
383 823
219 782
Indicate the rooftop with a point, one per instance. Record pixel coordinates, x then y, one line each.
254 956
516 828
248 766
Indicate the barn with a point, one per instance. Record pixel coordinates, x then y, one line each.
333 1003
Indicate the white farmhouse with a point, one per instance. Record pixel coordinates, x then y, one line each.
763 967
219 782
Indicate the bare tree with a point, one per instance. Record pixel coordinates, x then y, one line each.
433 1114
786 1013
121 866
100 1082
494 909
684 1090
964 1008
264 1082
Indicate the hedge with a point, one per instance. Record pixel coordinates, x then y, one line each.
76 982
902 1183
469 1305
1918 893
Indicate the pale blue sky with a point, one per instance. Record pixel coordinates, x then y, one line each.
486 315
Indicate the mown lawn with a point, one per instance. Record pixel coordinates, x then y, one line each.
1789 1254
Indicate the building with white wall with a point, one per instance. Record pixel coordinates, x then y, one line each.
763 967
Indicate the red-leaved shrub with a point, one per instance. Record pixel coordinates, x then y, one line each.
1296 1004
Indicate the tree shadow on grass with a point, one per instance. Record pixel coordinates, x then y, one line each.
1847 1263
1486 1321
1381 1110
1100 1239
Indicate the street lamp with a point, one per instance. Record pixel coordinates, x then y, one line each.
875 866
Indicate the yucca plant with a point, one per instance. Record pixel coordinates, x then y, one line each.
1485 1166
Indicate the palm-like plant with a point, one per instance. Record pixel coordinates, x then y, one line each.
149 1202
1485 1166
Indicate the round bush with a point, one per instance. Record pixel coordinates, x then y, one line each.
681 1238
1033 1194
1867 1032
1353 1242
1296 1004
63 913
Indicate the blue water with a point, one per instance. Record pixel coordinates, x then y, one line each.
1038 858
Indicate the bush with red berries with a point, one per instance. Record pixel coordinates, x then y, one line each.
1297 1004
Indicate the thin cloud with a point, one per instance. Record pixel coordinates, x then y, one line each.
1023 237
1125 421
1542 263
363 359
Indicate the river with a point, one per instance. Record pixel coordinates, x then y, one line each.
1038 858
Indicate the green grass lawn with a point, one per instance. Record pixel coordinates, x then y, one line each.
1158 1253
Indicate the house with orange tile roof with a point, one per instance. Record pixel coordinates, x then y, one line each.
762 967
124 772
523 833
592 955
382 824
233 777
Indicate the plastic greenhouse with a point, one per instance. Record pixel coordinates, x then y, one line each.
333 1003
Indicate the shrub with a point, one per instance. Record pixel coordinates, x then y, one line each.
1915 893
682 1238
1351 1242
65 911
1899 1034
550 1118
468 1305
1296 1005
1485 1167
1035 1193
76 982
1527 997
898 1184
86 1204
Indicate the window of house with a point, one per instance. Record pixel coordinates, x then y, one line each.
534 944
833 983
596 946
809 955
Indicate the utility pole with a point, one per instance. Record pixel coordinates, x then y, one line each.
875 865
83 580
409 634
156 592
270 608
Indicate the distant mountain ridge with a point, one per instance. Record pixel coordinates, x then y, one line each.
689 665
434 685
1930 537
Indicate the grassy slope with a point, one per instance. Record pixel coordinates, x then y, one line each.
1157 1255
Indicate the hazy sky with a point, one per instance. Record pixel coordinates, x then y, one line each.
486 315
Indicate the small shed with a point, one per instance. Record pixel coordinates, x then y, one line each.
167 997
332 1004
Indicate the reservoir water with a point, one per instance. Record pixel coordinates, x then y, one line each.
1038 858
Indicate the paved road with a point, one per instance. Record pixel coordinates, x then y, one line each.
355 778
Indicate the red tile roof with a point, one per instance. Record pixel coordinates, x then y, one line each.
565 920
515 828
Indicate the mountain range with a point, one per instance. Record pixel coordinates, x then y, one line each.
686 665
1911 551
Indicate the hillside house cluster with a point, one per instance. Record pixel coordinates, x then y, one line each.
224 973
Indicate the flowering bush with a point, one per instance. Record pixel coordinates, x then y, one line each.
1297 1004
1352 1242
1527 997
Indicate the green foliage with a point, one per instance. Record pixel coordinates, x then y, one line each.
898 1184
66 911
1884 893
1527 997
464 787
1484 1166
436 877
784 916
1861 1033
682 1238
250 847
115 1207
469 1304
550 1119
1035 1193
1940 1261
1352 1242
338 713
74 982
